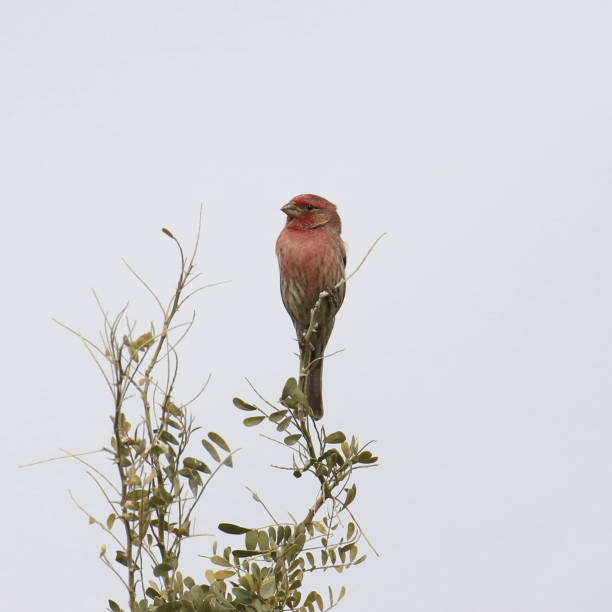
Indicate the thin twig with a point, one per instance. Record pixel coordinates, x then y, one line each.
364 258
197 395
291 448
362 532
92 467
72 455
215 284
93 519
261 397
258 499
145 284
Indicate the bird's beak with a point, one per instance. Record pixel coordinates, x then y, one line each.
292 210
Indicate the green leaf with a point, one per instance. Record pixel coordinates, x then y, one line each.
242 405
350 531
194 484
152 593
284 424
251 539
196 464
332 555
187 605
245 553
166 436
366 457
272 534
300 540
310 558
224 574
335 438
251 421
319 601
171 606
233 529
161 569
186 472
290 387
160 497
113 606
291 440
360 560
143 342
172 408
242 595
217 560
136 494
350 495
278 416
211 449
120 557
267 589
218 440
263 541
189 582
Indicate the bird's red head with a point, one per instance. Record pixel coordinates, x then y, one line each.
308 211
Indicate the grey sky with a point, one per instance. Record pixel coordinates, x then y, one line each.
477 337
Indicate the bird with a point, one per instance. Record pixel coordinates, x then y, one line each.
312 258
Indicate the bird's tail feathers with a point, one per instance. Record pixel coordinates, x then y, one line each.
314 391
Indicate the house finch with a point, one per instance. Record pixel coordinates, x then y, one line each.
311 257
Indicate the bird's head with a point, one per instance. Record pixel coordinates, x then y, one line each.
308 211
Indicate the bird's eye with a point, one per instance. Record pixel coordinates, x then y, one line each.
309 207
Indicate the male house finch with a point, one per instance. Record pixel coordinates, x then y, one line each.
311 257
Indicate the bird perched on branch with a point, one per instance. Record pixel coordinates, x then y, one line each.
312 258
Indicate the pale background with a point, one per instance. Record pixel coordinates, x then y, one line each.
478 336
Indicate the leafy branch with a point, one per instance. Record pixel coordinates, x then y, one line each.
159 481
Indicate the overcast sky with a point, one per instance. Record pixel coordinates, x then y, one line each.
477 337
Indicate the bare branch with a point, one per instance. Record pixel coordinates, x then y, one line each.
145 285
70 456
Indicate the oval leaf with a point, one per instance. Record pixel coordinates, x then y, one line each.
251 539
267 589
278 416
290 440
166 436
263 540
350 495
233 529
219 441
245 553
161 569
335 438
284 424
251 421
223 574
217 560
242 405
211 449
195 464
